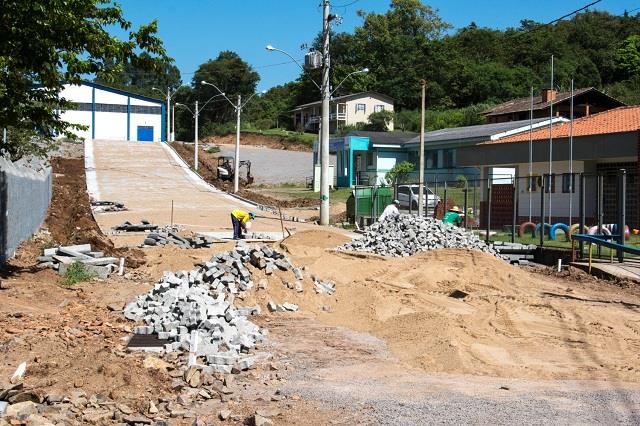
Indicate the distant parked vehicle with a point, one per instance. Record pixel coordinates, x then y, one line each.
409 194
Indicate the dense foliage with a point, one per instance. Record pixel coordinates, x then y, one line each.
45 43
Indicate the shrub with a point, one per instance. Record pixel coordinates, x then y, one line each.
77 273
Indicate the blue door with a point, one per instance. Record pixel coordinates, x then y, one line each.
145 133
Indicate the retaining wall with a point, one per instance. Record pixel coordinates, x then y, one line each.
25 195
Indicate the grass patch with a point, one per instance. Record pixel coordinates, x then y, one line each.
288 191
298 137
77 273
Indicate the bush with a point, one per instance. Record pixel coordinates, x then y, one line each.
461 181
77 273
400 172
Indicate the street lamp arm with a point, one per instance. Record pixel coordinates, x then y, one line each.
220 91
184 106
364 70
270 48
213 97
251 97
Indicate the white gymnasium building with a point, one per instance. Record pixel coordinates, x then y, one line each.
114 114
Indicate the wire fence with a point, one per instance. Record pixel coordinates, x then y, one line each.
545 210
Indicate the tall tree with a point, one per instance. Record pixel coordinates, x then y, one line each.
45 43
141 80
231 75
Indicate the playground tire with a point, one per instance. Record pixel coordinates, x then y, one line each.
573 228
547 227
524 226
554 229
594 229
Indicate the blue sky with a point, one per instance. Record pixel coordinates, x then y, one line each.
197 30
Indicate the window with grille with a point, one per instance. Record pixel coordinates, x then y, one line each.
361 107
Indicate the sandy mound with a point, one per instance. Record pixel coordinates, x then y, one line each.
512 323
312 243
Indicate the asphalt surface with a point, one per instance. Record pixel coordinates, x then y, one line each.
339 368
275 166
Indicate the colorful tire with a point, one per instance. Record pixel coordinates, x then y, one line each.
594 230
554 229
524 226
614 230
573 228
536 230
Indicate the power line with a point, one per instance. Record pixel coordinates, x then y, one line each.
560 18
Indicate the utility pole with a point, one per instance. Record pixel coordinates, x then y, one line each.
423 85
550 146
324 129
169 115
173 123
195 155
236 160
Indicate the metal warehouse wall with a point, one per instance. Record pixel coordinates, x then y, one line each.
24 199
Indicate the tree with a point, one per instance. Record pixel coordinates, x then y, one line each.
379 121
46 43
231 75
140 80
628 57
400 172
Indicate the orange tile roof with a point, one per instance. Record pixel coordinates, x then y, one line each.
618 120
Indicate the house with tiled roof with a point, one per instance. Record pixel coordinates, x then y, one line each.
587 101
602 144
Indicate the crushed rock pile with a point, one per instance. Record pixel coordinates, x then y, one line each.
405 235
199 305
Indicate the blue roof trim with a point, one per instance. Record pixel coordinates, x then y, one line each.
121 92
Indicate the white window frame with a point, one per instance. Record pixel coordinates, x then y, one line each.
378 108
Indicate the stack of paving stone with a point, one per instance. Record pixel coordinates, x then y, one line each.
144 225
516 253
107 206
61 258
198 306
164 238
405 235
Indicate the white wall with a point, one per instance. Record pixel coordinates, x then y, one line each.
79 117
109 125
76 93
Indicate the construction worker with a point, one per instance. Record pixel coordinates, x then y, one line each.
453 216
390 210
241 220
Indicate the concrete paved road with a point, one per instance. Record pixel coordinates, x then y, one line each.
148 177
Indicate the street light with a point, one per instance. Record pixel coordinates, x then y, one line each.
238 107
169 95
326 93
196 114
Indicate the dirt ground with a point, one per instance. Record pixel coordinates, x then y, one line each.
208 166
391 346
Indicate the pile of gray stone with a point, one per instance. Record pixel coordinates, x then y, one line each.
194 310
61 258
107 206
406 235
162 238
127 226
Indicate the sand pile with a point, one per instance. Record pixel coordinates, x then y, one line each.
406 235
460 311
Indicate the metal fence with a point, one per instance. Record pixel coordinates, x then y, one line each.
532 209
24 199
